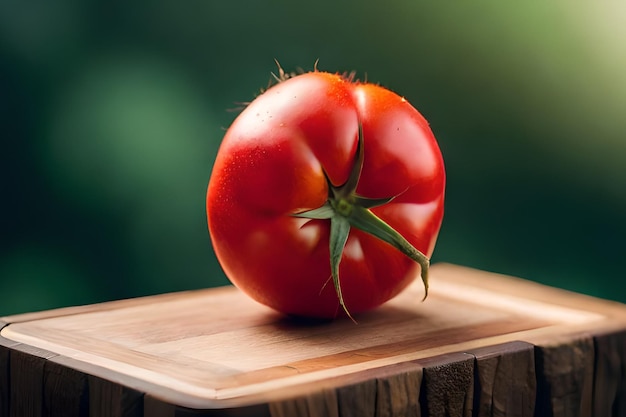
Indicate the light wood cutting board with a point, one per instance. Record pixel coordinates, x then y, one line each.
481 344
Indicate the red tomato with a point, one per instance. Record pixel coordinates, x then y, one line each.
326 195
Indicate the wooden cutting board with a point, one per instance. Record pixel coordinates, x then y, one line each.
481 345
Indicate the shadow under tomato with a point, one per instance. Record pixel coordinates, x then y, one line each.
385 315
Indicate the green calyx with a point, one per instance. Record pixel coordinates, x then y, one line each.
346 209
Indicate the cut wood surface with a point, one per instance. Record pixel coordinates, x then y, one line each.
482 344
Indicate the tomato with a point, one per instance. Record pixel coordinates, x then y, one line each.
326 196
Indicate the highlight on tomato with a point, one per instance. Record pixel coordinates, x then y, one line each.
326 196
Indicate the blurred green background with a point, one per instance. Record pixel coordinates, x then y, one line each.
111 113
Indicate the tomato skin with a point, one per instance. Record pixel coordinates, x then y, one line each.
273 163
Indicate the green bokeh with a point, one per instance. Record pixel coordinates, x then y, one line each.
111 114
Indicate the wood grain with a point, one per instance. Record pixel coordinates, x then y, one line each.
5 373
505 380
565 378
609 394
65 391
26 364
482 345
359 399
398 394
